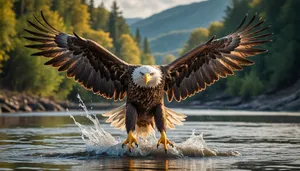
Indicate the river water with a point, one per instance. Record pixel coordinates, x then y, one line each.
208 140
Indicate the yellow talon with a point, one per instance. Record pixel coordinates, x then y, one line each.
164 140
130 139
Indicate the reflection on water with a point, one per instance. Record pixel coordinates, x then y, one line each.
148 164
53 141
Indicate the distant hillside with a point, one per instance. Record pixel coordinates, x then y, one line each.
131 21
168 43
162 26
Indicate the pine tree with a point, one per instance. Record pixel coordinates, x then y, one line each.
113 26
101 18
117 26
147 58
23 6
92 11
59 6
146 47
138 37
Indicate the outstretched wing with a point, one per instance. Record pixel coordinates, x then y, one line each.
203 65
87 62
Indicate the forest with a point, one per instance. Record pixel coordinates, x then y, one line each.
21 72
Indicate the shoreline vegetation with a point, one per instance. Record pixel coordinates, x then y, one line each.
284 100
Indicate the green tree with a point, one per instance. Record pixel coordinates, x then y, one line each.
129 50
23 6
117 26
7 27
249 89
197 37
146 47
101 18
113 26
215 28
59 6
168 58
137 37
283 61
233 85
36 77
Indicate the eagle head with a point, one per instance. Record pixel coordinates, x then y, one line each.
147 76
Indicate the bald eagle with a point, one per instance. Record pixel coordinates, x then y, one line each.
144 86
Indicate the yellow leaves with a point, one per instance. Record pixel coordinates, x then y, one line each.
197 37
147 59
80 18
7 27
129 50
168 59
100 37
254 3
53 18
214 28
201 35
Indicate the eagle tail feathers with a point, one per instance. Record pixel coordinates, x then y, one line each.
117 119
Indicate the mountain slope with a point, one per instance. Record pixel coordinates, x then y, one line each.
170 29
131 21
183 17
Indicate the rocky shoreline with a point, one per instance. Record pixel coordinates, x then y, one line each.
284 100
11 102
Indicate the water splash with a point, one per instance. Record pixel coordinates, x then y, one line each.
99 141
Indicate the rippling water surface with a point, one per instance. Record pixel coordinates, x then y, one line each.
208 140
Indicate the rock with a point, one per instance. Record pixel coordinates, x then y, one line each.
194 103
25 108
13 104
219 96
6 109
59 107
36 106
50 105
233 101
2 98
266 107
294 105
213 103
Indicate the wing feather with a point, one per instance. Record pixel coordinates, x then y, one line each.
87 62
216 58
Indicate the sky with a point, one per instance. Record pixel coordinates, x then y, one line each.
143 8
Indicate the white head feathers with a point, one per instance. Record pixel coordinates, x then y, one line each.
139 74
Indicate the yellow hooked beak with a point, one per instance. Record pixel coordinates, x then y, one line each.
147 78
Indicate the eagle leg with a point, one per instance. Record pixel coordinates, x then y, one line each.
164 140
130 139
160 123
130 122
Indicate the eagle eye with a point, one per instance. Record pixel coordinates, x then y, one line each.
152 73
142 73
